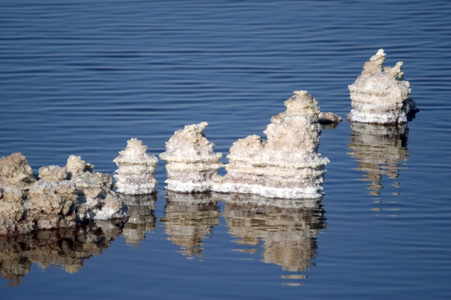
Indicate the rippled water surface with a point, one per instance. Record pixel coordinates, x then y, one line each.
82 77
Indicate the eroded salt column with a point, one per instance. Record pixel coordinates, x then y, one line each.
136 169
381 95
287 164
191 162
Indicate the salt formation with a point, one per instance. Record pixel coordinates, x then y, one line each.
191 163
381 95
287 164
63 197
136 169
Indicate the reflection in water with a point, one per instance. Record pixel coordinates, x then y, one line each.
67 248
379 150
141 210
188 219
288 228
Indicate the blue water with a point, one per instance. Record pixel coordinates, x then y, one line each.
82 77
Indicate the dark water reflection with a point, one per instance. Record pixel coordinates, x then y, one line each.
141 209
65 248
286 228
189 219
379 150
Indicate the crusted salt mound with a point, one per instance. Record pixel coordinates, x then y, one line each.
380 95
191 162
136 169
287 164
63 197
15 171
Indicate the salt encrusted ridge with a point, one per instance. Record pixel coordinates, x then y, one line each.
191 162
63 197
136 169
286 165
380 94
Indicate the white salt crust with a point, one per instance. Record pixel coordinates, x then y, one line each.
191 162
136 169
286 165
380 95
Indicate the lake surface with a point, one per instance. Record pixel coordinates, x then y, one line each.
78 77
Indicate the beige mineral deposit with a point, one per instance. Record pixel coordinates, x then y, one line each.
285 165
191 163
136 169
63 197
381 95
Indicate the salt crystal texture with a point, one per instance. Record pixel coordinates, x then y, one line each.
191 163
380 95
287 164
63 197
136 169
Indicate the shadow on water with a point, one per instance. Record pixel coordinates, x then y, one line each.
379 150
66 248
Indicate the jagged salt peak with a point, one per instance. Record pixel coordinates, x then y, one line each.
380 94
190 145
287 164
301 103
191 162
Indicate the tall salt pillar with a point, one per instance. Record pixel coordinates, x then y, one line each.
191 163
136 169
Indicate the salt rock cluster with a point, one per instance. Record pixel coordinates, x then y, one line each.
287 164
63 197
136 169
381 95
191 163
